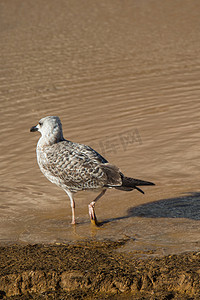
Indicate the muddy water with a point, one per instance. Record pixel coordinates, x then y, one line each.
124 77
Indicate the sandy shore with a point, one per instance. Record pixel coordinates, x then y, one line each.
95 270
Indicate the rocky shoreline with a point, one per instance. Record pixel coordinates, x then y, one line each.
95 270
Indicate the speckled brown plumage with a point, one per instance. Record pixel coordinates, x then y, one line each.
76 167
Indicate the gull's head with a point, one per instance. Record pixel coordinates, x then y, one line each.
50 129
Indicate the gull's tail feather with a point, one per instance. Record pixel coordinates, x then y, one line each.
131 182
128 184
116 179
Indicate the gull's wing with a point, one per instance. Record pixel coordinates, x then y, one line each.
78 167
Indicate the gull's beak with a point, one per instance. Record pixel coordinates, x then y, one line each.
34 128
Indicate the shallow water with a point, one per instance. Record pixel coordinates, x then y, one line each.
124 78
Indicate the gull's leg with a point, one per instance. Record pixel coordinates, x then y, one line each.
72 206
91 208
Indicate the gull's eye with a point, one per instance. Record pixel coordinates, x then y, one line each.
40 123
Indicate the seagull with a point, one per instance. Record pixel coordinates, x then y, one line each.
76 167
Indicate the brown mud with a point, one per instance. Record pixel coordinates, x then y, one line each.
95 270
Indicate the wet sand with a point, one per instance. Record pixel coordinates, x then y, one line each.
95 271
124 78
